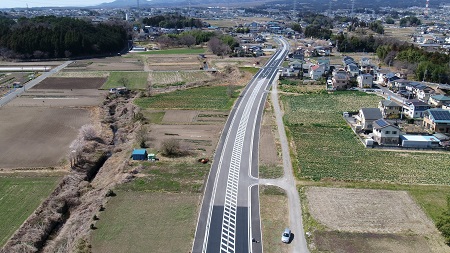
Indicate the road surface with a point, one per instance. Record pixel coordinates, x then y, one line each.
229 216
17 92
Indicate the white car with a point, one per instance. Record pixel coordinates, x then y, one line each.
286 236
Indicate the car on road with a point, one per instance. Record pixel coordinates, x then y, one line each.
286 236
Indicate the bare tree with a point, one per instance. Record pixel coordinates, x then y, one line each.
188 40
141 136
87 132
124 81
171 148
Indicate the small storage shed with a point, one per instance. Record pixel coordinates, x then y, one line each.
139 154
419 141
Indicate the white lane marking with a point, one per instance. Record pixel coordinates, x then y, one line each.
228 237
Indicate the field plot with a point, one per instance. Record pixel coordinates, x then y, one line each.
37 137
176 51
213 98
59 98
107 64
274 218
146 222
327 147
70 83
19 198
369 219
132 80
161 79
173 62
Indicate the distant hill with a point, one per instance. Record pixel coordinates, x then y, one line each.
309 4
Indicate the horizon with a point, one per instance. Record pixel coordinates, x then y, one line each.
5 4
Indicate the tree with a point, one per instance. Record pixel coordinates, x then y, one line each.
171 148
218 47
141 136
88 132
187 40
124 82
296 27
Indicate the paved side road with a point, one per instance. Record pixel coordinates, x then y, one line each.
287 182
17 92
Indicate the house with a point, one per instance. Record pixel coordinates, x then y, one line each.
340 80
438 100
367 116
382 74
316 71
296 64
398 84
415 108
365 81
299 54
353 69
385 133
437 120
139 154
424 92
364 61
388 108
418 141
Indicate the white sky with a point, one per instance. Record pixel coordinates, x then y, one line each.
49 3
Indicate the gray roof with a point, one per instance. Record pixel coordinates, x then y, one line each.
389 103
371 113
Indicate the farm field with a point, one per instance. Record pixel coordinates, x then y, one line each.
132 80
70 83
34 128
161 79
175 51
172 62
20 196
146 222
273 209
327 148
212 98
117 63
368 220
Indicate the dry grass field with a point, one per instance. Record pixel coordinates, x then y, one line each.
117 63
68 83
37 137
369 220
172 62
146 222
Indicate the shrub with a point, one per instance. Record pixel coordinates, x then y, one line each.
171 148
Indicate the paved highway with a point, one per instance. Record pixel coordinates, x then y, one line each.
229 216
15 93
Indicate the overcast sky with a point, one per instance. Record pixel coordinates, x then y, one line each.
49 3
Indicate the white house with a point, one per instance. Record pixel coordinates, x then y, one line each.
367 116
365 81
385 132
316 71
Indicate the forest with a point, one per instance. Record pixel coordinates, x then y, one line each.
59 37
172 21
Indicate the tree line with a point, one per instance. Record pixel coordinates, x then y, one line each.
46 37
172 21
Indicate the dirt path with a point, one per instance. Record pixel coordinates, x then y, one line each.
287 182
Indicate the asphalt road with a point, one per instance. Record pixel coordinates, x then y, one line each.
229 216
17 92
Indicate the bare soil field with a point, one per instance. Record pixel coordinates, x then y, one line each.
117 63
373 220
268 153
173 62
37 137
59 98
70 83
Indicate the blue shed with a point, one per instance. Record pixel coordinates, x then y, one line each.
139 154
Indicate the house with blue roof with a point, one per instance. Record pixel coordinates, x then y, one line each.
385 133
437 120
439 100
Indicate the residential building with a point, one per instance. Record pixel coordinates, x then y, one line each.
340 80
366 117
316 71
388 108
385 133
418 141
415 108
438 100
437 120
365 81
352 69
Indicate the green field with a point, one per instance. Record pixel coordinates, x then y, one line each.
146 222
274 218
133 80
252 70
177 51
169 177
213 98
19 197
327 148
167 78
